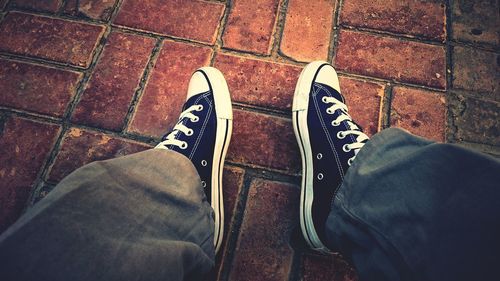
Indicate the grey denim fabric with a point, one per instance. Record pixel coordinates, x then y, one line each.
409 209
412 209
139 217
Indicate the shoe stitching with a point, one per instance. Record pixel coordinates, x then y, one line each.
202 130
337 160
353 140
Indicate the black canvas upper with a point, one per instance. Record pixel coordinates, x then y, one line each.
200 145
330 162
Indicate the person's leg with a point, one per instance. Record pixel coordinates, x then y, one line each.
138 217
145 216
400 207
412 209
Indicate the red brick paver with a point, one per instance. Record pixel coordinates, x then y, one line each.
420 18
245 33
41 5
320 267
265 141
80 147
25 144
476 21
232 184
270 85
197 20
420 112
364 100
53 39
263 246
95 9
166 90
107 98
36 88
308 25
475 120
477 71
390 58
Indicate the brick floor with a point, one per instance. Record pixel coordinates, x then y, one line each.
94 9
95 79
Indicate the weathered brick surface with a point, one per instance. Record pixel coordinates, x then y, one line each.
25 146
263 251
165 93
321 267
250 25
232 183
475 120
41 5
476 21
419 111
477 71
306 35
265 141
197 20
258 82
80 147
364 101
391 58
47 38
422 18
95 9
36 88
106 99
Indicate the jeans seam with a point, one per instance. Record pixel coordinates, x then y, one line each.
362 222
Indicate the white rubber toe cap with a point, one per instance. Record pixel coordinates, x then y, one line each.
328 76
197 85
317 71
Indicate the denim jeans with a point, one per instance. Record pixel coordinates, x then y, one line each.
409 209
139 217
412 209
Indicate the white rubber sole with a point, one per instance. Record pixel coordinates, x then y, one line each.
224 112
299 118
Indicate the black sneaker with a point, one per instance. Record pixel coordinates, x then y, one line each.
202 134
328 140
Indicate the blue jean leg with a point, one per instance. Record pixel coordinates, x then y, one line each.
412 209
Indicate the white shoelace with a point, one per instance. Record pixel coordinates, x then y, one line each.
354 129
180 127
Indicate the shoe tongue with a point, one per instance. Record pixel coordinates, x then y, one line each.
334 93
331 91
191 101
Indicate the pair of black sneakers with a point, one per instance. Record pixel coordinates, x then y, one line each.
328 139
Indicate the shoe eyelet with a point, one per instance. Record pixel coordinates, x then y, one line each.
320 176
204 163
200 107
195 119
329 111
184 145
323 99
349 162
319 156
346 148
340 135
335 124
203 184
190 132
